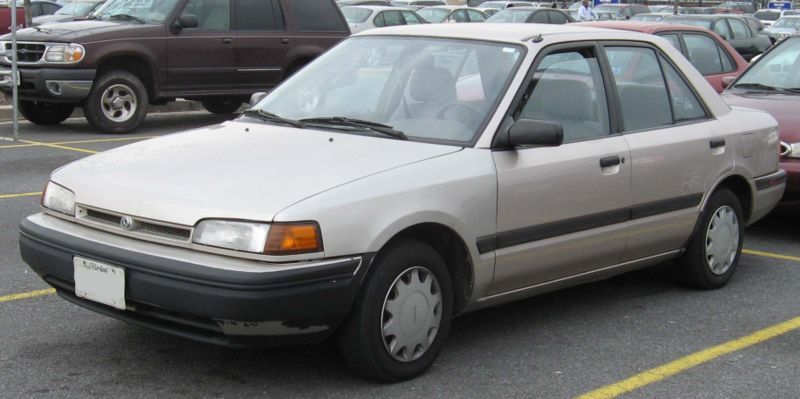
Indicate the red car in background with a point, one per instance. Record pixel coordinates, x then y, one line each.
5 17
708 52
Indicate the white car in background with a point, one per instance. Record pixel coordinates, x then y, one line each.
361 18
452 14
785 27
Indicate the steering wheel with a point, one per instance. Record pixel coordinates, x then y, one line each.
467 112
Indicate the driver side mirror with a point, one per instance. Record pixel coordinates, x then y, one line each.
185 21
257 97
531 132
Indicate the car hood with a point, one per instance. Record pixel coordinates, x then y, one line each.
775 30
235 170
784 108
82 31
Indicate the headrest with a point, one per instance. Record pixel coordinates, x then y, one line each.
432 85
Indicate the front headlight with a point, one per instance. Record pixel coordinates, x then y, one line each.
262 238
65 53
790 150
59 199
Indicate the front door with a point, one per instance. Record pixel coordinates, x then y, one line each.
563 210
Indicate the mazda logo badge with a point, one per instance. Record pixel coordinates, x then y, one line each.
127 223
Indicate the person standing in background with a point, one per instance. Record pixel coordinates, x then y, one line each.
586 13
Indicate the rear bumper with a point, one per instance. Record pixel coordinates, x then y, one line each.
51 84
193 297
791 198
769 191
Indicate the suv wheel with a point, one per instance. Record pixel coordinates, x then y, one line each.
402 316
117 103
714 251
222 106
45 113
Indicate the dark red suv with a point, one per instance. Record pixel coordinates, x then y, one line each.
129 55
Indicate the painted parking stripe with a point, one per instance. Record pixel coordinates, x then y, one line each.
771 255
27 295
2 147
18 195
677 366
61 147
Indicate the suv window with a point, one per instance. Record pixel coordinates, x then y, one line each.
721 27
210 14
642 92
262 15
315 16
568 89
685 106
739 29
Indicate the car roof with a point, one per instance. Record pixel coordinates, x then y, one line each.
703 16
644 27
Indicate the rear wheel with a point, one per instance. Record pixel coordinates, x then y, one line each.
45 113
402 315
713 253
222 106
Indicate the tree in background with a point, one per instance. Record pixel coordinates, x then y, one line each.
28 17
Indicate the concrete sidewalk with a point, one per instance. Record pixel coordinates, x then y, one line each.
175 106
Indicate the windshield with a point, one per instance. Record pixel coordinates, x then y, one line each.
780 68
76 8
433 14
767 15
703 23
428 89
785 13
787 23
510 16
355 15
146 10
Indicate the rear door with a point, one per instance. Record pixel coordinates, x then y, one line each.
743 39
202 58
262 43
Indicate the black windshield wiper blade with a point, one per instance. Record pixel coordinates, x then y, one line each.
359 123
270 117
757 86
127 17
794 90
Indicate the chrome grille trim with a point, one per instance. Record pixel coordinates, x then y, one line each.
786 149
28 53
140 227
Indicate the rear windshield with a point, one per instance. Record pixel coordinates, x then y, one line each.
767 15
355 15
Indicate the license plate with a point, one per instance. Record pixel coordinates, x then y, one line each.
99 282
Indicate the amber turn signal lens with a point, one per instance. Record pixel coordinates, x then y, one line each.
293 238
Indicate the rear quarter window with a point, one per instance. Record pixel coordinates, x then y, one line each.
317 16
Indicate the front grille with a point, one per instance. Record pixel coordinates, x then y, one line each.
27 52
139 226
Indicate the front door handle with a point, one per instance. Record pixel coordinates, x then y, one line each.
716 143
610 161
227 40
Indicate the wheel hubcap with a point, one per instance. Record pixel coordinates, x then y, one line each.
412 313
118 103
722 240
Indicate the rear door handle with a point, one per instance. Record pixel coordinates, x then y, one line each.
227 40
716 143
610 161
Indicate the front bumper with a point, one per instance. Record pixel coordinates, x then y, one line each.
204 297
50 84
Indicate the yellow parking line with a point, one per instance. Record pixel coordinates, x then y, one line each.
5 196
26 295
78 142
659 373
62 147
771 255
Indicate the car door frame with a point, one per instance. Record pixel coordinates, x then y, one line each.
715 79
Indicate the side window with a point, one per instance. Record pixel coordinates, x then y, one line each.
411 18
626 12
539 18
460 16
721 27
261 15
475 16
567 88
210 14
739 29
36 9
49 8
685 106
393 18
379 20
643 95
317 16
557 18
703 54
727 63
674 40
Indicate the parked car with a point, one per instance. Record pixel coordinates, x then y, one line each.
772 84
5 19
713 57
767 16
609 16
445 14
733 29
42 7
626 11
531 15
459 169
492 7
346 3
70 11
197 52
742 7
648 17
418 4
670 10
758 27
785 27
361 18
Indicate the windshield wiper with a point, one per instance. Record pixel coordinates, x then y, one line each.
358 123
270 117
127 17
758 86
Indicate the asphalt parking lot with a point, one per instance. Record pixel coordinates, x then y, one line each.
640 335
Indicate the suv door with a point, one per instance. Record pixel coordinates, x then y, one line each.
743 40
676 149
562 210
262 43
202 58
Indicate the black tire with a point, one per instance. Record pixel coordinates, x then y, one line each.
41 113
115 85
222 106
695 262
361 338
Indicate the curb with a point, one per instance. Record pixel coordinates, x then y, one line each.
174 106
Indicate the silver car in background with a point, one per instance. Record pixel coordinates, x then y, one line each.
409 175
361 18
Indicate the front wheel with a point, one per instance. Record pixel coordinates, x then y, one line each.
402 316
713 253
117 103
222 106
45 113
